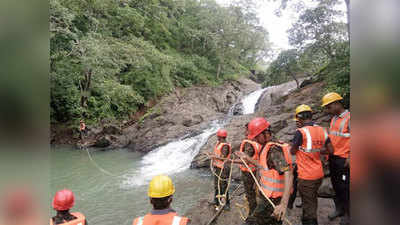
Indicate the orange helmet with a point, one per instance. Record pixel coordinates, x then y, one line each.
63 200
222 133
256 126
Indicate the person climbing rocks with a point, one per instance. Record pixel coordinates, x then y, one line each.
339 161
220 158
63 201
82 129
275 171
160 192
310 140
252 149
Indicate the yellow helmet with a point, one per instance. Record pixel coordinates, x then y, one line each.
330 97
300 109
161 186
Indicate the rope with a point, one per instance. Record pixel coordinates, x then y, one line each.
241 212
97 166
219 196
259 187
213 171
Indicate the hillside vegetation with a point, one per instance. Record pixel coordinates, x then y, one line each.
110 57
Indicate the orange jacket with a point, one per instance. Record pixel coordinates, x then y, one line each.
257 148
339 133
271 182
309 165
82 126
165 219
80 220
217 150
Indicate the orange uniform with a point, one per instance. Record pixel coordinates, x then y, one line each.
271 181
257 148
217 151
169 218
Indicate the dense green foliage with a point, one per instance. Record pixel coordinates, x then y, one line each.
322 49
109 57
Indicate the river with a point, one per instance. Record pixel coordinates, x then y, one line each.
118 199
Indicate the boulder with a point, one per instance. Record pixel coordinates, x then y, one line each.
111 129
103 142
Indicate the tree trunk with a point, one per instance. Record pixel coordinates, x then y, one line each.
85 86
218 70
297 81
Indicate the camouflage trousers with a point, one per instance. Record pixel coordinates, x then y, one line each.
222 184
263 212
250 191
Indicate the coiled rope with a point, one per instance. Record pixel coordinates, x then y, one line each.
259 187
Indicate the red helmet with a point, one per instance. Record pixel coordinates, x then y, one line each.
63 200
256 126
222 133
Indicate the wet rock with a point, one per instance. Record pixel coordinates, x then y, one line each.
202 212
196 119
278 125
238 109
180 113
103 142
111 129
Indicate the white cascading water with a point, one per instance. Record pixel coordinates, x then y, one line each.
176 156
250 101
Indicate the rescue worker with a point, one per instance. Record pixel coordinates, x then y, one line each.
275 172
160 192
309 142
63 201
220 159
252 149
82 129
339 161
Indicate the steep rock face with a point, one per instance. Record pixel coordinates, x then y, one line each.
184 112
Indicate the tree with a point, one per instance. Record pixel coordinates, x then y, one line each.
329 3
109 57
318 29
285 67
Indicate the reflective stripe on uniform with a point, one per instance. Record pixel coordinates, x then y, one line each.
272 188
346 135
309 150
309 140
176 220
140 221
273 180
341 126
